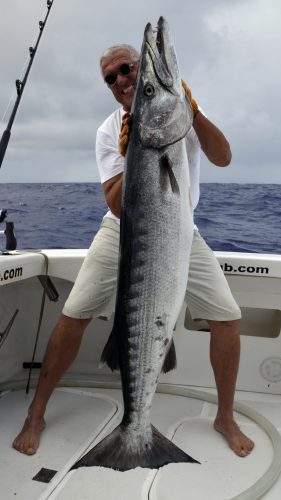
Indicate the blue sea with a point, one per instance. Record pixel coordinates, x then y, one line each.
231 217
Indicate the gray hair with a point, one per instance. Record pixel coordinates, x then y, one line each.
134 54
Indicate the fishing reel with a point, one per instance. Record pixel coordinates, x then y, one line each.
11 242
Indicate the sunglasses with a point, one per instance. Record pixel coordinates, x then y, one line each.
124 70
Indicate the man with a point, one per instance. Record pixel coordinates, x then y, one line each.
208 294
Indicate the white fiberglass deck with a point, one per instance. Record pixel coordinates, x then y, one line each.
78 417
90 404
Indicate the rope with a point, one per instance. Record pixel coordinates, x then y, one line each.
190 98
39 321
124 134
126 121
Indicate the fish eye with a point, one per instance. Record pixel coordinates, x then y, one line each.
148 90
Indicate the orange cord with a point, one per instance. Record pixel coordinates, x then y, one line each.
190 98
124 134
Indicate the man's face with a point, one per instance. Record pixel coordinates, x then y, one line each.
124 87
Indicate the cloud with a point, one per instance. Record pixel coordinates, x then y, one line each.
228 53
248 79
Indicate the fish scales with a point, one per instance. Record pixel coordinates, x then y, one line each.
163 245
155 241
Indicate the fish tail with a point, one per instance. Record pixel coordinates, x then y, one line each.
117 451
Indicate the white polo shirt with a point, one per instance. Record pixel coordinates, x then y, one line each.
111 163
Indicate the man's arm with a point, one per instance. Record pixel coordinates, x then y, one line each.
113 193
212 141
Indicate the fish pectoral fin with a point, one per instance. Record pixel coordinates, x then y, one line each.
171 359
110 353
167 166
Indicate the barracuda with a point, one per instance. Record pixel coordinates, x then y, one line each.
155 242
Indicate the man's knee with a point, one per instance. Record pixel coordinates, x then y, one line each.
73 325
231 326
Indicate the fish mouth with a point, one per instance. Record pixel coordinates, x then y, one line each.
158 46
160 31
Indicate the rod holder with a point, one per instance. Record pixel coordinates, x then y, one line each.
11 241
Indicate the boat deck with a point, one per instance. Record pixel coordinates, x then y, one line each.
88 404
77 417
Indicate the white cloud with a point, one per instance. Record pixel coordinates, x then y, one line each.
228 54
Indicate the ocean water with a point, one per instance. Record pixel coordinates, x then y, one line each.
231 217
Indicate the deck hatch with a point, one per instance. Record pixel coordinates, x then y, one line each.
44 475
255 322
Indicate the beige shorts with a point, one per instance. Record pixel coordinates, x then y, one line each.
94 291
208 295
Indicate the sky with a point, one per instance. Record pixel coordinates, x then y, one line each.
228 53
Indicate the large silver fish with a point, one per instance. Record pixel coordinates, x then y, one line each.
155 242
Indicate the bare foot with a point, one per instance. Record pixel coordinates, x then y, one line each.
237 441
28 439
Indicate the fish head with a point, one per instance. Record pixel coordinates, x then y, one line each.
161 112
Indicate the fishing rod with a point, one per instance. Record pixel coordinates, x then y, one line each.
21 84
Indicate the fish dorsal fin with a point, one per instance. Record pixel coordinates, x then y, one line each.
171 359
110 353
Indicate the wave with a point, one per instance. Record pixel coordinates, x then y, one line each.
231 217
